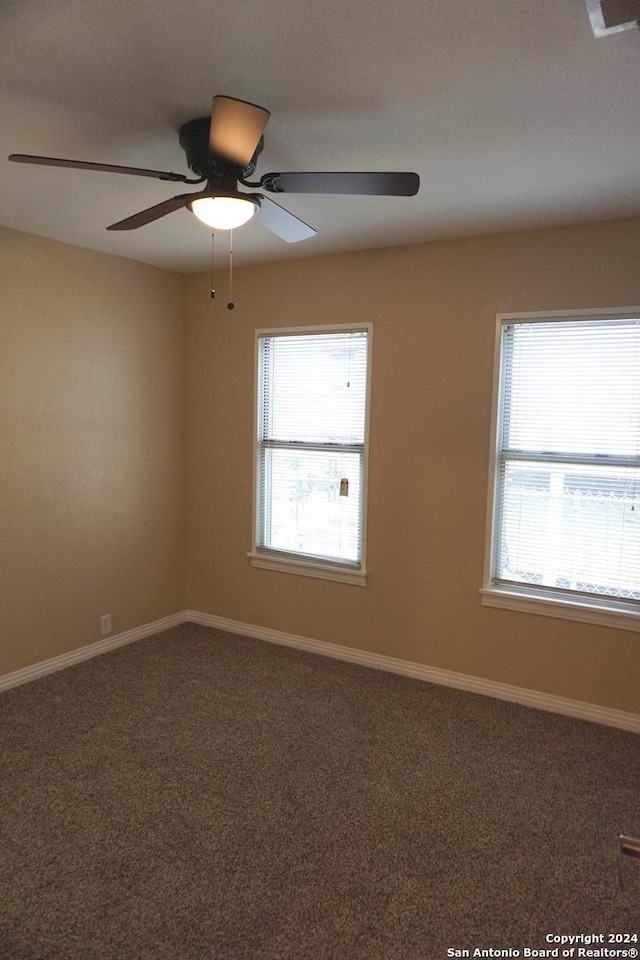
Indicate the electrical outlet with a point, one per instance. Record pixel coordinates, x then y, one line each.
105 624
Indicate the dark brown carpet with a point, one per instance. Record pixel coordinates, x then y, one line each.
201 796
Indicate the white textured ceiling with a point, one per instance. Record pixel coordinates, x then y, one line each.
511 112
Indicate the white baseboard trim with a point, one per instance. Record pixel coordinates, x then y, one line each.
418 671
448 678
18 677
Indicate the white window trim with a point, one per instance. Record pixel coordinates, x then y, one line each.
308 568
278 561
607 612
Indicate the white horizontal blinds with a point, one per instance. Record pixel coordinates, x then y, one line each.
568 491
312 424
575 387
315 387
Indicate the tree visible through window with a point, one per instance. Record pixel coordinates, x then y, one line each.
567 470
311 434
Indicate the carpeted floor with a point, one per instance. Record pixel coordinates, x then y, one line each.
201 796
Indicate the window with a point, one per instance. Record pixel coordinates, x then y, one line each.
565 506
311 432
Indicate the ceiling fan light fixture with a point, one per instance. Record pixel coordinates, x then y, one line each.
224 213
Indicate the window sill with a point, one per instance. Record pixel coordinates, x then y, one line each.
607 612
307 568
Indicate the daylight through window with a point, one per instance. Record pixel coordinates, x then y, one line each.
566 517
311 446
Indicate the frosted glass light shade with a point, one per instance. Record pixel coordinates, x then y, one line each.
223 213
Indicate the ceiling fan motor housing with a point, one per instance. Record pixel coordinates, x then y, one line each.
194 140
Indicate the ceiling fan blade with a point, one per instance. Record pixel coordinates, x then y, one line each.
236 128
281 222
369 184
617 12
106 167
154 213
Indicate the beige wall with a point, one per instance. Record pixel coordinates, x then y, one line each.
433 308
92 421
91 462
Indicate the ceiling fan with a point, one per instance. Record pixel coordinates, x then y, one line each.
222 151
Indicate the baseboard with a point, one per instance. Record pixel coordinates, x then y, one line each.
18 677
448 678
418 671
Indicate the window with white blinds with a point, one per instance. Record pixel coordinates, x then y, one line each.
311 446
566 505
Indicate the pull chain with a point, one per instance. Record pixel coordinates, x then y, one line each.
231 304
213 288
